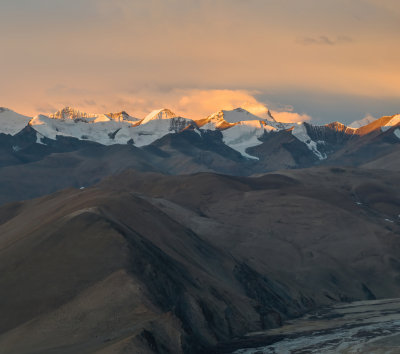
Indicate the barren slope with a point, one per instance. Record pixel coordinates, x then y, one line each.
149 263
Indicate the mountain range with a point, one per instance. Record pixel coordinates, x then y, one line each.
240 129
172 235
93 146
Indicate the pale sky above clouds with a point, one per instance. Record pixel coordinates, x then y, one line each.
310 59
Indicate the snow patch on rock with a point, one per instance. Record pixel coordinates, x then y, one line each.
245 134
300 132
145 134
108 129
97 130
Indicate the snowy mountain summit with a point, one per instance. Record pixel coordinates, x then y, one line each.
154 126
237 128
234 116
122 116
159 114
74 114
70 113
70 122
360 123
11 122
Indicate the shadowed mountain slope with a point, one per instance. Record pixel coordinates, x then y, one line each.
390 161
149 263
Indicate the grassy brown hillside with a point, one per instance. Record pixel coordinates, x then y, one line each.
149 263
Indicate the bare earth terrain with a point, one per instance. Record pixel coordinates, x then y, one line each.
358 327
150 263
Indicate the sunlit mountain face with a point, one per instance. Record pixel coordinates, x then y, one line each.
199 177
238 129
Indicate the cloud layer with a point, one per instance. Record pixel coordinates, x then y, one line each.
111 55
190 103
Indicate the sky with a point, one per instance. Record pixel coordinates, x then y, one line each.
305 60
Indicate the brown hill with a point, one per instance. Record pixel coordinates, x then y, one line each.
147 263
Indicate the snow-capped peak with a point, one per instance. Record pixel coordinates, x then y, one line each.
159 114
234 116
362 122
122 116
225 119
12 122
70 113
394 120
383 123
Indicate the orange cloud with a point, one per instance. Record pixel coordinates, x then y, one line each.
290 117
197 104
179 44
190 103
201 103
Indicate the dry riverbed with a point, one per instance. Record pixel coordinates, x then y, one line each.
358 327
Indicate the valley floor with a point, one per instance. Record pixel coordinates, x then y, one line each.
358 327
